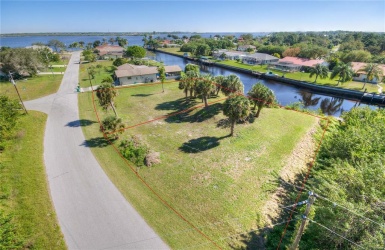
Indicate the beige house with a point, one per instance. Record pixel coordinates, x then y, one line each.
132 74
360 75
107 51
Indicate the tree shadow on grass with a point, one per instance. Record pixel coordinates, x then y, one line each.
98 142
142 95
268 237
80 123
203 114
177 105
201 144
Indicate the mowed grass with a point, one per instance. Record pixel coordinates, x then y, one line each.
175 51
106 70
219 183
24 188
32 87
304 77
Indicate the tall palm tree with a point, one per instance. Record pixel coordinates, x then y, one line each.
162 75
205 87
236 108
372 70
106 93
261 96
319 70
344 72
232 85
219 80
188 82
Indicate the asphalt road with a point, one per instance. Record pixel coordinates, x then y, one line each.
92 213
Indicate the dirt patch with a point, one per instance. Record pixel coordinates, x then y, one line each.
298 161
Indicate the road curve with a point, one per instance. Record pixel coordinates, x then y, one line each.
92 213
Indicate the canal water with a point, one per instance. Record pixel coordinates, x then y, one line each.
286 94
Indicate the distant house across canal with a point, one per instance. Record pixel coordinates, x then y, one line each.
132 74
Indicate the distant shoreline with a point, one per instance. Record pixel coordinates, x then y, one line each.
113 33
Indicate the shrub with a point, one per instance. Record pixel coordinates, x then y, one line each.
134 150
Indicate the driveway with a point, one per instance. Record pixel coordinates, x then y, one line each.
92 213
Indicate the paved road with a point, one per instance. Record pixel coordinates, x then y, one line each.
92 213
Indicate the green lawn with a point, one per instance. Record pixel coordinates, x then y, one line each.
303 76
32 87
24 189
172 50
219 183
106 70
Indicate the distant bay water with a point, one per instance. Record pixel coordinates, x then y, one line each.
23 41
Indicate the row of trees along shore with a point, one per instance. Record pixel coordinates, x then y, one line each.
334 46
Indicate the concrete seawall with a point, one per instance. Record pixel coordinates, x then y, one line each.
368 98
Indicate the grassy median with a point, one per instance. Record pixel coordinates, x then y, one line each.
24 192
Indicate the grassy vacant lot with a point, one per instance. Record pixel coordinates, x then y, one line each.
33 87
172 50
24 189
106 70
304 77
217 182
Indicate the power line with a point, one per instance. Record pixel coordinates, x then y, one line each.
353 212
254 230
336 204
336 233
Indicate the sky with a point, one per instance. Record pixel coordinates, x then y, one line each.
191 16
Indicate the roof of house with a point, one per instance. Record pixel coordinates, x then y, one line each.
172 68
108 49
357 66
262 56
39 47
139 70
302 61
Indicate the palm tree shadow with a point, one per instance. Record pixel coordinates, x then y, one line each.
142 95
201 144
98 142
201 115
268 237
177 105
80 123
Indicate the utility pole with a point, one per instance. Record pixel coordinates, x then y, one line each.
14 84
310 202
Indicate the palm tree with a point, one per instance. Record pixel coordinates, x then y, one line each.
232 85
188 82
344 72
372 70
236 108
319 70
162 75
219 80
106 93
261 96
205 87
110 124
112 40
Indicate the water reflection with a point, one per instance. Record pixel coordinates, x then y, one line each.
308 99
286 94
330 106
